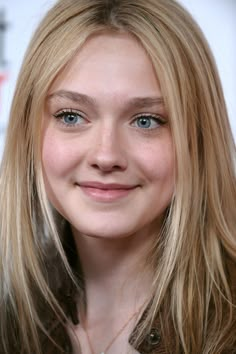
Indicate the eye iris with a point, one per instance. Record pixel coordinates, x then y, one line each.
144 122
70 118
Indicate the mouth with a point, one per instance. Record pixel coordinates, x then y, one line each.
106 192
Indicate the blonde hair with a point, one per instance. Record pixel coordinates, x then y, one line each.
192 288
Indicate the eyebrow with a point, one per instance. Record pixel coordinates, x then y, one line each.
134 102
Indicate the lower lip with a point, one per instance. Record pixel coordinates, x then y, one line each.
106 195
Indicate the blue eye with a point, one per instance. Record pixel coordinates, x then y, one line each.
70 118
147 122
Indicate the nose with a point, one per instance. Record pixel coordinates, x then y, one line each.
107 151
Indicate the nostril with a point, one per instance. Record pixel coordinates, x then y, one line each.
107 160
107 167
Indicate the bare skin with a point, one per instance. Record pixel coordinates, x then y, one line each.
112 178
116 288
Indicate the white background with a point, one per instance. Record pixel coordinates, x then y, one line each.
217 18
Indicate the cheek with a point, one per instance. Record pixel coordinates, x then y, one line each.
57 159
58 156
158 163
51 155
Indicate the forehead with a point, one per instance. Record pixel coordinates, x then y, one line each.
109 64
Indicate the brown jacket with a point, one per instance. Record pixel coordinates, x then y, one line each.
153 343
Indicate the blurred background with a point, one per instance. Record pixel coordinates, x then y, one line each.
18 19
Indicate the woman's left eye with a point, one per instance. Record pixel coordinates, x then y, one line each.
70 118
148 121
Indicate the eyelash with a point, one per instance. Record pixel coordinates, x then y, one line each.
159 120
66 112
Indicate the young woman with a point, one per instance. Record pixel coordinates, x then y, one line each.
118 188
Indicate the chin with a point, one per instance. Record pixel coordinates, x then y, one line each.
106 233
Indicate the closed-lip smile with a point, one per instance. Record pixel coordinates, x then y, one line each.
106 192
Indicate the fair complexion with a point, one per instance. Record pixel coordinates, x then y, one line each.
109 170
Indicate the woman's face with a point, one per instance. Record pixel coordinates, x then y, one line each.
107 150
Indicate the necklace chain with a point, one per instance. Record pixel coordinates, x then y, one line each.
116 335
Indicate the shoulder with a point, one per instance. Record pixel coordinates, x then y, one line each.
231 275
57 340
231 332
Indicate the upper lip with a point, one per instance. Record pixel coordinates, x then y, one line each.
106 186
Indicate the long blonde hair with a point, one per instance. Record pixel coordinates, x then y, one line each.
192 287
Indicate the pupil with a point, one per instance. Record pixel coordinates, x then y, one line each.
144 122
71 118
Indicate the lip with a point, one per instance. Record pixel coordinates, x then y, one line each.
106 192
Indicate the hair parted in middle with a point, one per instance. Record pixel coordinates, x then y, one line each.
187 258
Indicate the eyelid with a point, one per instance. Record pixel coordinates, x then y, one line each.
61 116
158 117
60 113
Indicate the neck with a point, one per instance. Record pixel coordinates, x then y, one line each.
115 272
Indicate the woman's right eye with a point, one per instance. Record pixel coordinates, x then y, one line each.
70 118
